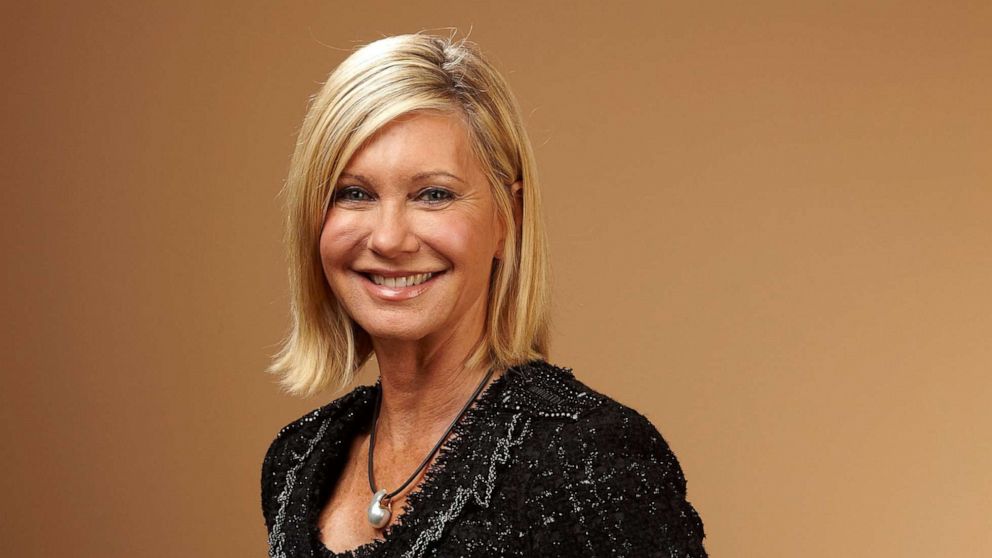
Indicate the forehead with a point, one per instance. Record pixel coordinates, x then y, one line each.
418 142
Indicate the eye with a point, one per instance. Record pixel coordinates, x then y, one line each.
351 194
435 196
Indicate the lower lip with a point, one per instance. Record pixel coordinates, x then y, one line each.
397 293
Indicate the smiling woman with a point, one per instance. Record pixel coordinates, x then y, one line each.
415 236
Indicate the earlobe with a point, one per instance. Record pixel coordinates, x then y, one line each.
499 247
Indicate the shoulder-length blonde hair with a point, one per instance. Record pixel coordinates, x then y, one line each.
377 83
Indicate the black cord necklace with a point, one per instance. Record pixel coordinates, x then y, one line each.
378 515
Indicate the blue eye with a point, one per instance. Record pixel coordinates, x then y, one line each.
435 196
351 194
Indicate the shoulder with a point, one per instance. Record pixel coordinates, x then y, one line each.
546 390
584 418
578 428
592 458
550 391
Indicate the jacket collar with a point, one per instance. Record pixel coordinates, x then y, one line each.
463 475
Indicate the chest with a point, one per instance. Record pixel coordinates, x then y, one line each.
343 520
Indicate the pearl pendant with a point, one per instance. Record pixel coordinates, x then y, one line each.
378 515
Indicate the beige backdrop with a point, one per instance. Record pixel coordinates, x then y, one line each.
771 234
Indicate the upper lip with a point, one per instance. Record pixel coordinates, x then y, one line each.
394 273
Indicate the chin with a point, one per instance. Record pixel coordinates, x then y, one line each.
396 332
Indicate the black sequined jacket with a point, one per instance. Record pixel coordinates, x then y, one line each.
540 465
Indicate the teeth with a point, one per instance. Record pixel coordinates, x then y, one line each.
399 282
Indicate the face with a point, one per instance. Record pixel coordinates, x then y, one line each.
409 240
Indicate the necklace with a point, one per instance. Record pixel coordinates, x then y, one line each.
379 515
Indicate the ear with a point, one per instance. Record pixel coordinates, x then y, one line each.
517 197
517 200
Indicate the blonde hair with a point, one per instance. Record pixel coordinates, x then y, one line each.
377 83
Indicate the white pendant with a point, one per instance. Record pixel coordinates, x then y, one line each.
378 515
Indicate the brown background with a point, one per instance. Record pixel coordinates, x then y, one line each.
771 234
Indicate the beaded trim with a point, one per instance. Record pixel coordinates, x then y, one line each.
277 538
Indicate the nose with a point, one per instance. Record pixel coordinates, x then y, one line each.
391 233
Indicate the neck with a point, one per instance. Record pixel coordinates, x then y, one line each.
423 390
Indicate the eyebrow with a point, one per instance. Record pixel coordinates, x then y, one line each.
357 177
430 174
414 178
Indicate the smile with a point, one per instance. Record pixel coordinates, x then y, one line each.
406 281
399 287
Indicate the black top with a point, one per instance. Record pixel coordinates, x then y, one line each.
540 465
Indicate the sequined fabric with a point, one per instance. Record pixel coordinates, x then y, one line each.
540 465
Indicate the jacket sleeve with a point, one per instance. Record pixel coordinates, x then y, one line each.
612 487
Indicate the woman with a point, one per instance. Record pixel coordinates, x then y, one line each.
416 238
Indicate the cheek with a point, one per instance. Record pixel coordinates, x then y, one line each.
468 243
338 240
